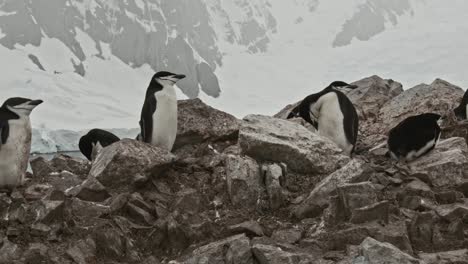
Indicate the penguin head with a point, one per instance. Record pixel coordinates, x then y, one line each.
167 78
21 106
342 86
434 117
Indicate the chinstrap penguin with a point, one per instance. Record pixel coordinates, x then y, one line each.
94 141
332 114
15 140
414 137
159 113
461 112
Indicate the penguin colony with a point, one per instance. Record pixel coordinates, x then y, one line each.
330 111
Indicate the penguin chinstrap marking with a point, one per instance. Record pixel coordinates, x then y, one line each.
94 141
332 114
414 137
15 140
461 112
159 114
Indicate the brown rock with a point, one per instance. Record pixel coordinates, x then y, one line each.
198 122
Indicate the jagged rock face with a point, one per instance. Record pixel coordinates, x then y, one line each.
175 35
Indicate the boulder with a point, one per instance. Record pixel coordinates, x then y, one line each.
198 122
274 180
41 168
287 236
439 97
9 251
78 166
269 254
355 171
91 190
372 93
445 166
250 228
117 164
242 180
83 251
270 139
377 252
235 249
449 257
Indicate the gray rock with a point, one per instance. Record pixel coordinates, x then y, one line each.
268 254
40 230
243 180
109 243
449 257
91 190
64 180
83 251
271 139
250 228
377 252
87 210
5 203
41 167
355 196
37 253
274 179
198 122
117 164
48 212
235 249
139 215
188 201
37 191
377 211
449 158
77 166
439 97
9 252
452 212
287 236
355 171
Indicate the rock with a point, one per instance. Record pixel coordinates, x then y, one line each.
420 230
9 252
235 249
448 197
271 139
91 190
355 171
250 228
287 236
83 251
274 180
5 203
40 230
198 122
64 180
377 252
242 180
41 168
87 210
109 243
178 238
63 162
357 195
36 254
372 93
118 163
268 254
452 212
439 97
139 215
37 191
378 211
48 212
449 159
449 257
463 187
188 201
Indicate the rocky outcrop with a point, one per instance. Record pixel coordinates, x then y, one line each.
276 193
270 139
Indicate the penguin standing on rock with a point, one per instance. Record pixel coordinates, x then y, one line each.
94 141
332 114
461 112
414 137
15 140
159 113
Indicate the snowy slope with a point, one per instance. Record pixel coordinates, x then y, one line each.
242 56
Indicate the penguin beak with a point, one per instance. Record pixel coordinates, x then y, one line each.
35 102
179 76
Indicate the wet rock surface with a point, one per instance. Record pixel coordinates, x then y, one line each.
274 192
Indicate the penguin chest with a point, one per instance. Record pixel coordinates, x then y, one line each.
331 122
14 154
165 120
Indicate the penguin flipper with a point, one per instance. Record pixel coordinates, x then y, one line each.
146 121
4 132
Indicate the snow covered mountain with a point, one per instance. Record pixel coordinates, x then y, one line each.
91 60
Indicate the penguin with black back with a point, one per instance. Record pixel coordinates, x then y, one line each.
94 141
461 112
332 114
158 121
414 137
15 140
